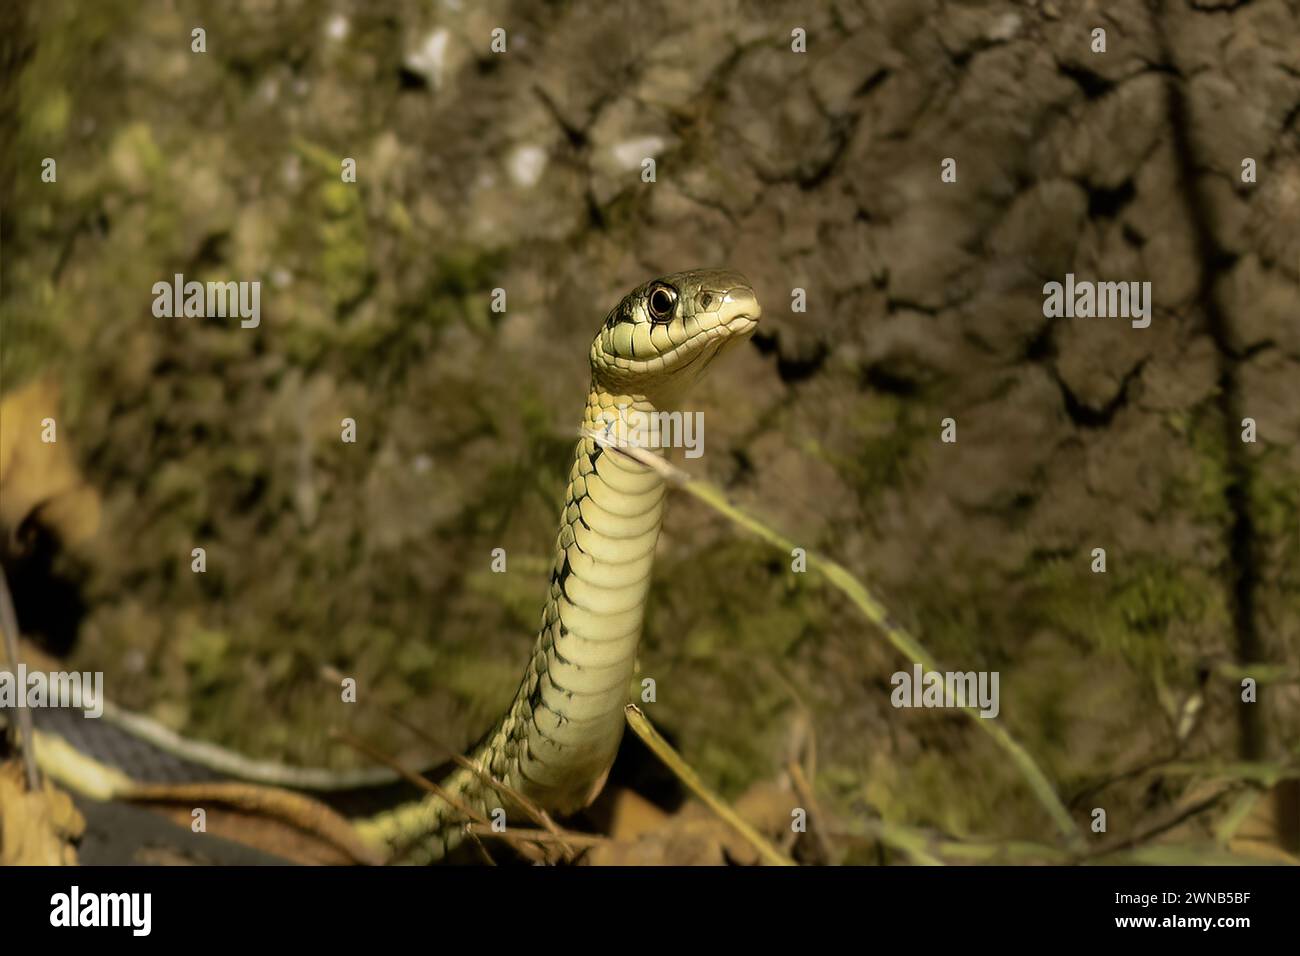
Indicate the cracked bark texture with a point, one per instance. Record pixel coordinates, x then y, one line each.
817 171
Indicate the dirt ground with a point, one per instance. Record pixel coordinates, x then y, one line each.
817 171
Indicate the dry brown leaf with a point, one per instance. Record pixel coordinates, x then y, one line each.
696 837
624 814
1272 829
38 475
36 829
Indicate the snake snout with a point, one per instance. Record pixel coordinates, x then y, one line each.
740 310
730 296
740 302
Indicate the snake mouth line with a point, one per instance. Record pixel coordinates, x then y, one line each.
735 329
743 324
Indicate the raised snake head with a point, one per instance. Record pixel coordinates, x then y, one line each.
660 338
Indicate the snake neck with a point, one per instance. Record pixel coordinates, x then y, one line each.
560 734
557 739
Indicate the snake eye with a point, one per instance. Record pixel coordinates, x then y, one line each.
662 300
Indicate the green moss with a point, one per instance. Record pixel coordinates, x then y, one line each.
337 249
31 341
487 684
206 657
136 157
922 795
723 621
1201 489
519 592
953 624
69 35
344 258
1275 498
888 432
48 117
464 279
1129 610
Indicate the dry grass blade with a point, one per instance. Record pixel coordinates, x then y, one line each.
642 727
874 611
929 848
1240 811
804 789
1183 855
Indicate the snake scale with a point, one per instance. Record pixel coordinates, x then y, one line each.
558 737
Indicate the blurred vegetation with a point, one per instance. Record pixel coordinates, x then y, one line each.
478 172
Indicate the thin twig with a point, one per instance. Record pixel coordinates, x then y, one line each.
565 839
428 785
478 845
536 813
1178 816
913 843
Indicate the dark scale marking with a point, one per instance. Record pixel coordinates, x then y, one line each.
563 690
560 719
543 734
524 773
554 652
622 314
535 696
537 758
561 576
499 767
577 545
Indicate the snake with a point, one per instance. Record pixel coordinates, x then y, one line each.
553 746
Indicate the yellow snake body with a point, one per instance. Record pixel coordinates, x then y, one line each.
559 735
557 739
